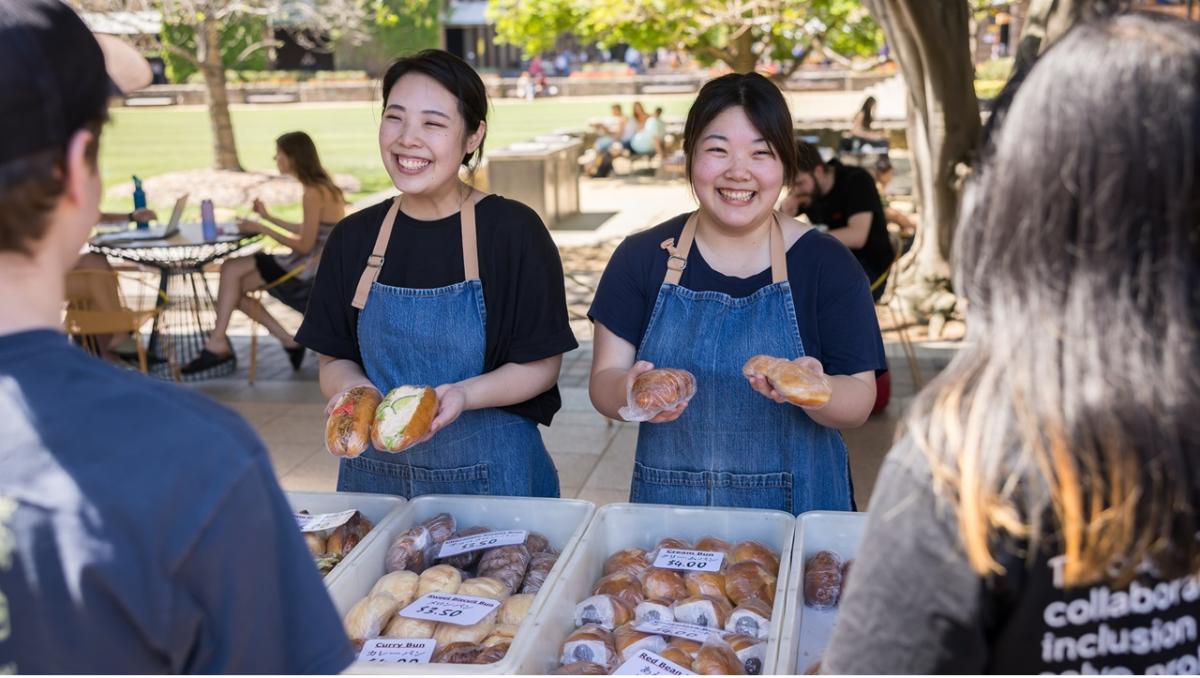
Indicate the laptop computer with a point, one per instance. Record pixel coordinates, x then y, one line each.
152 233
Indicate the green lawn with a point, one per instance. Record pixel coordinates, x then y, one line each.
148 142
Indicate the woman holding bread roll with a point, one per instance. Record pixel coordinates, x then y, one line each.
705 292
444 308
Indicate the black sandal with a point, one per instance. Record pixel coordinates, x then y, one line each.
208 360
296 356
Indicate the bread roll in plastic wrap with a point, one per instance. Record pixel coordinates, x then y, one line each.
475 633
664 584
671 543
656 391
467 560
348 429
716 658
714 545
490 654
630 641
456 653
368 617
580 669
439 579
407 551
515 609
748 579
751 651
540 565
484 587
590 643
503 633
797 384
403 627
625 587
537 543
703 611
688 649
604 611
506 563
676 655
401 585
756 552
657 610
751 618
822 580
705 584
630 561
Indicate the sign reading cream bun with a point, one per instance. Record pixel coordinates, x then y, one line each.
403 418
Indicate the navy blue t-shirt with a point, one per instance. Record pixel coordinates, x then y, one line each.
142 530
832 297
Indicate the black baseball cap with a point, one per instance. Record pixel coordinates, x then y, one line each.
53 75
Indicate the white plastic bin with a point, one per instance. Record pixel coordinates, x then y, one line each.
377 508
562 521
622 526
806 630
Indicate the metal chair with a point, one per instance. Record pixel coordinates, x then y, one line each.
256 295
102 302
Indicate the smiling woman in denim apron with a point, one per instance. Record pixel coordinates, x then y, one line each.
448 287
706 291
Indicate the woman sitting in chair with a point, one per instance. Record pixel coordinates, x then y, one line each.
287 277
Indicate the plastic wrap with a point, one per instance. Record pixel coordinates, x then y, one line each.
703 611
823 580
748 579
368 618
654 610
657 391
629 641
540 565
456 653
593 644
799 385
664 585
705 584
756 552
506 563
716 658
632 561
467 560
401 585
439 579
604 611
622 586
752 652
751 618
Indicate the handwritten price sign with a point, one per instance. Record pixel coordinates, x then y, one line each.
322 521
450 608
681 559
487 540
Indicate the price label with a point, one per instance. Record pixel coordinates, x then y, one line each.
681 559
450 608
678 630
397 651
322 521
487 540
646 663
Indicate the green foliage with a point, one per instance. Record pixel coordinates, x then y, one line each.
994 69
236 36
404 26
283 77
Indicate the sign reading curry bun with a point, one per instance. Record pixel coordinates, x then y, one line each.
403 418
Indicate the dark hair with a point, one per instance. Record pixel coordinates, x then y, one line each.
1069 421
457 77
883 165
764 106
306 164
808 158
868 112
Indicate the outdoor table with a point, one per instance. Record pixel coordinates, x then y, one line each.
188 311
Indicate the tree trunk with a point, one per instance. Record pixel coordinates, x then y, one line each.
1047 20
931 42
742 52
208 43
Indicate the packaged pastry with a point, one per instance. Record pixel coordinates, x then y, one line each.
629 641
467 559
714 545
580 669
516 608
368 617
537 543
439 579
703 611
664 584
752 652
757 552
401 585
604 611
633 561
441 527
656 610
445 634
484 587
348 429
669 543
456 653
748 579
681 651
590 643
506 563
403 418
656 391
503 633
716 658
799 385
540 565
315 543
822 580
624 586
705 584
751 618
408 551
403 627
490 654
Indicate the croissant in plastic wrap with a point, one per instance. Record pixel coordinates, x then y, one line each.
625 587
439 579
703 611
590 643
368 617
580 669
630 641
540 565
484 587
705 584
604 611
468 559
657 391
656 610
752 652
633 561
664 584
822 580
506 563
403 627
799 385
756 552
748 579
401 585
515 609
456 653
716 658
751 618
445 634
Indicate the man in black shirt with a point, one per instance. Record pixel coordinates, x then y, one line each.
844 199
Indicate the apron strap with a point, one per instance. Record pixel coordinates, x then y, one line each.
375 262
678 254
469 243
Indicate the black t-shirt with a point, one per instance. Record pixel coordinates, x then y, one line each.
914 605
833 304
854 192
519 268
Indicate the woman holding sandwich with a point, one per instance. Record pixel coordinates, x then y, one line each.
706 292
447 287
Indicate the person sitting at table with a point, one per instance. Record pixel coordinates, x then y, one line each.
649 139
862 132
287 277
884 172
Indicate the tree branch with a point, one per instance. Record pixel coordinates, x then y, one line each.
182 54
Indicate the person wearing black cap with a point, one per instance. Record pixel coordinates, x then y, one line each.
141 526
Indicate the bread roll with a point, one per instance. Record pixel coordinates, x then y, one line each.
440 527
456 653
445 634
671 543
676 655
714 545
590 643
703 611
346 536
368 617
664 585
799 385
503 633
752 652
403 627
604 611
580 669
439 579
705 584
683 648
822 580
485 587
469 559
506 563
407 551
403 418
751 618
633 561
401 585
629 641
537 543
540 565
348 429
657 610
624 586
662 389
748 579
717 659
315 543
757 552
490 654
515 609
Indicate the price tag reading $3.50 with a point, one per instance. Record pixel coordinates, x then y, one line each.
646 663
322 521
450 608
680 559
487 540
397 651
699 634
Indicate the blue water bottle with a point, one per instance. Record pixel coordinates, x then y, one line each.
208 222
139 200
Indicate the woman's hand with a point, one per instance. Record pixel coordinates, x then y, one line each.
639 368
260 209
143 214
452 402
249 227
764 388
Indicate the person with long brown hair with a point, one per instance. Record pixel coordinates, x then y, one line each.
1041 513
287 277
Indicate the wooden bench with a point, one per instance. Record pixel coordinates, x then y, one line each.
279 98
150 101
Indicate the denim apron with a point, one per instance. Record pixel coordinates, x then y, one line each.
434 337
732 446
